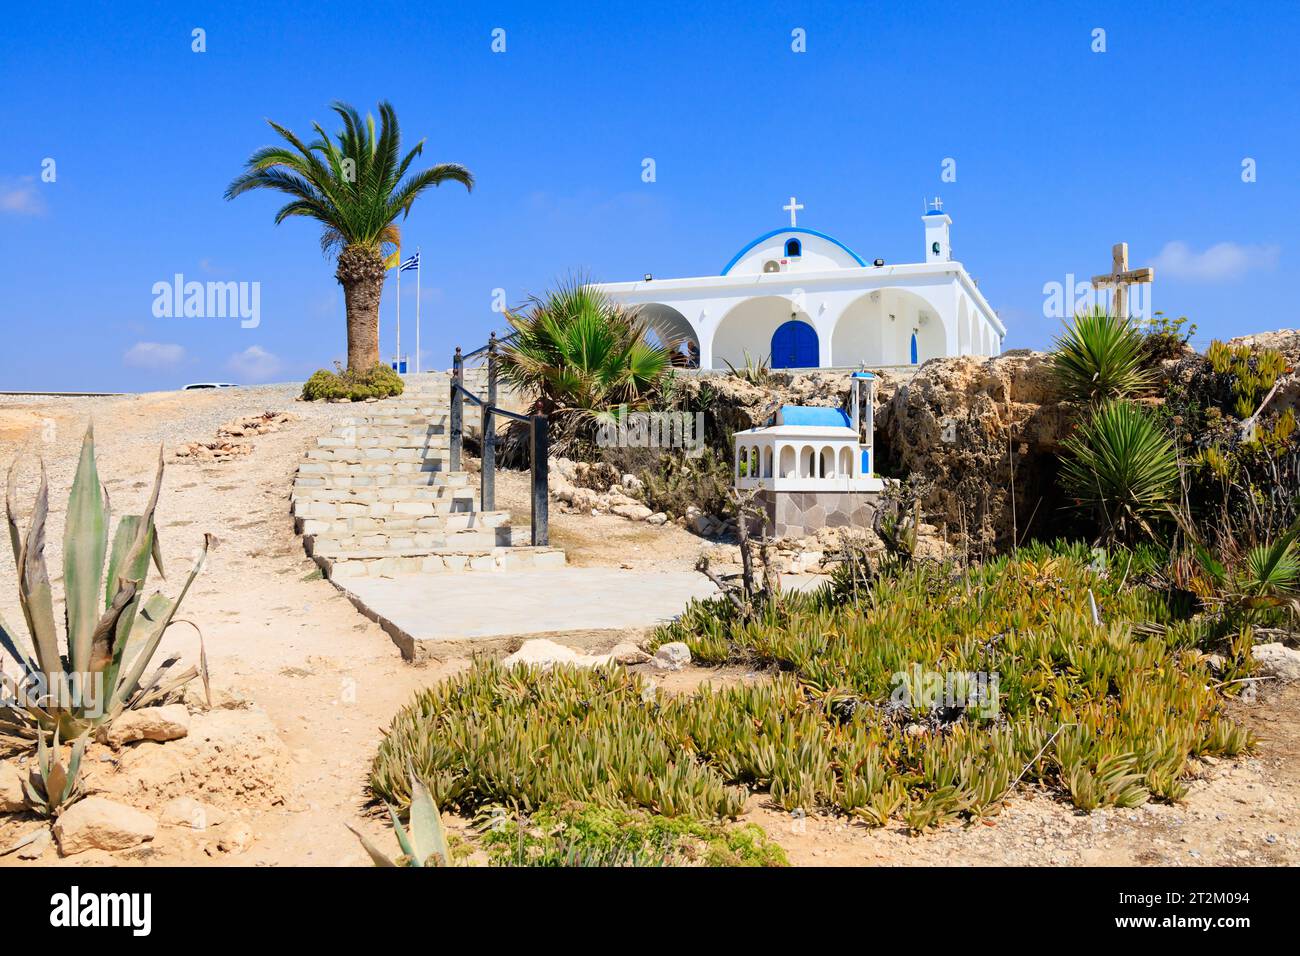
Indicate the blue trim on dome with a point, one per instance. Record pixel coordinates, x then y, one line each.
776 232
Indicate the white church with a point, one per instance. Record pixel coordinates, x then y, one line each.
797 298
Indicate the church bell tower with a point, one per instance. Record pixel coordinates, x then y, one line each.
937 247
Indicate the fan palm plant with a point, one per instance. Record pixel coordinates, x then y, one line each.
1099 357
1120 463
356 187
582 357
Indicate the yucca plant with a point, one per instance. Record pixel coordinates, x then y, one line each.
1099 357
111 634
53 786
1121 464
425 844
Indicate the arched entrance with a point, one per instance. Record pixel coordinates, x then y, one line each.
794 345
667 327
887 327
747 331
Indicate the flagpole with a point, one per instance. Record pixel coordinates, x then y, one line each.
417 308
399 309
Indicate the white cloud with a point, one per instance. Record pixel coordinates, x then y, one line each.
154 355
19 196
1221 262
254 364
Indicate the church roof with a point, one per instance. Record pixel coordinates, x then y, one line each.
796 230
813 416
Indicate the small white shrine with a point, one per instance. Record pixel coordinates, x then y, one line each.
813 467
798 298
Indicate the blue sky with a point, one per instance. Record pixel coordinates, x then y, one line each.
1059 152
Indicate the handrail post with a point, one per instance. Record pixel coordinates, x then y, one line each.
488 472
457 407
540 453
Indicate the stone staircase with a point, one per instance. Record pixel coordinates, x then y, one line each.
376 498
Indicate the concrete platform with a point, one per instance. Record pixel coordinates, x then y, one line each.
432 616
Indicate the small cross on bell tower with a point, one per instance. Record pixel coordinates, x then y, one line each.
937 242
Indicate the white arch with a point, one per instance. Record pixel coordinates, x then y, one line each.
747 327
789 463
877 327
826 463
667 326
963 328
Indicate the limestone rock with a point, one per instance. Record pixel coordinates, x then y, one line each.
148 723
97 823
633 512
672 656
239 839
1278 660
11 789
191 813
37 847
658 518
627 654
957 423
541 652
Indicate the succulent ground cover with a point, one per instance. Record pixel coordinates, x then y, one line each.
926 695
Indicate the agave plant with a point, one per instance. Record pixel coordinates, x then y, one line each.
111 634
1099 357
53 785
1120 463
426 842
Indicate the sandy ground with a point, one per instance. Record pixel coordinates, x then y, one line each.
329 680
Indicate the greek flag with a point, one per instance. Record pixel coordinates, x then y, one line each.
412 263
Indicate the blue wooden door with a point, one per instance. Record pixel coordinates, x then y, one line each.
794 345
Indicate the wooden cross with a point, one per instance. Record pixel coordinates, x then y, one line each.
1121 277
793 208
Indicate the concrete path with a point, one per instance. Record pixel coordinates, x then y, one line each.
435 614
430 616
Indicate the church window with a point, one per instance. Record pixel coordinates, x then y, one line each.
793 248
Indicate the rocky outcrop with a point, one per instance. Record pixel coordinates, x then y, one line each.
1286 341
739 404
967 425
97 823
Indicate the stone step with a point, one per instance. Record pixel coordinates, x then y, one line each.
437 560
349 481
377 467
400 523
368 495
351 508
380 541
415 432
355 452
426 443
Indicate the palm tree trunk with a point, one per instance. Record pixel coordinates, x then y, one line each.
361 273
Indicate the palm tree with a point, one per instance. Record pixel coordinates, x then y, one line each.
581 356
355 188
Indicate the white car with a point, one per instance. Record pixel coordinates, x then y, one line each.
211 385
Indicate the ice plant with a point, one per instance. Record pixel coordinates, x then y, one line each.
111 632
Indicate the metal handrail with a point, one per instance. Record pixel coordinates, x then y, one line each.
539 441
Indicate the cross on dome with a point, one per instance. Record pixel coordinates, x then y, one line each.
792 209
936 204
